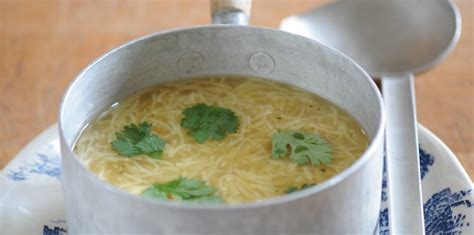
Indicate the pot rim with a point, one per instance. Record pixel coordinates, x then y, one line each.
325 185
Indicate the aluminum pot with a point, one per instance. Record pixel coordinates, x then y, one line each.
347 203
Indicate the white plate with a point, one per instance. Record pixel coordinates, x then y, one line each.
31 200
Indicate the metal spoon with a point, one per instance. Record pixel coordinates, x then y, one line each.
392 40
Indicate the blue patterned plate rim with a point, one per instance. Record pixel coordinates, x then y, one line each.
448 151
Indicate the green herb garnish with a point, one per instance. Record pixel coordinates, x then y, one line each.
209 122
135 140
301 147
305 186
293 189
184 189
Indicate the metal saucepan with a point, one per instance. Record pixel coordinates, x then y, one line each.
347 203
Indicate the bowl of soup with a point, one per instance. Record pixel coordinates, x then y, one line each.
222 129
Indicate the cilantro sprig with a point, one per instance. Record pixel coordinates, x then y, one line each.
209 122
301 147
135 140
293 189
184 189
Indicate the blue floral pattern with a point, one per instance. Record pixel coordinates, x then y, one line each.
438 210
383 222
426 161
57 229
44 165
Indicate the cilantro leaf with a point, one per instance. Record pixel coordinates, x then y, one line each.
152 145
184 189
209 122
124 147
293 189
305 186
135 140
134 133
301 147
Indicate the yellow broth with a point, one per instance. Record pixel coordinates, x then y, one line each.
240 166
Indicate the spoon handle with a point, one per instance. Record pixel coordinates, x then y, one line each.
404 184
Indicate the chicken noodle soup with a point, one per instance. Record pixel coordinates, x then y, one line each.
238 161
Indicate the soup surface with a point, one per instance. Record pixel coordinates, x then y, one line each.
239 165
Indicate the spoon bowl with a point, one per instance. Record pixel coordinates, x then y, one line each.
384 37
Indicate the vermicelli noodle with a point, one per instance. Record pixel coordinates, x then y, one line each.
240 166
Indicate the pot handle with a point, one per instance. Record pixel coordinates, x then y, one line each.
230 11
